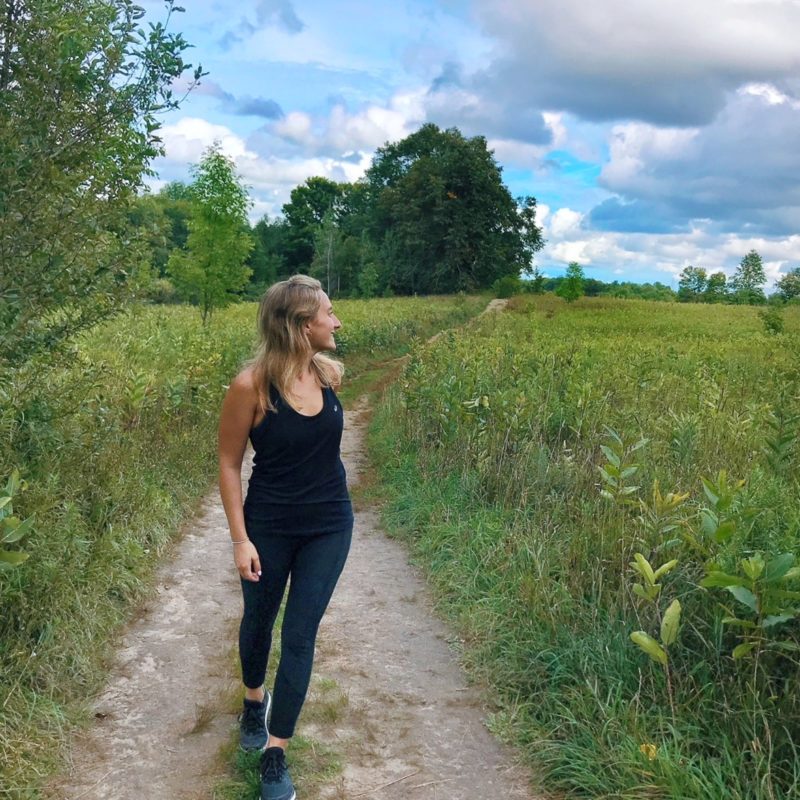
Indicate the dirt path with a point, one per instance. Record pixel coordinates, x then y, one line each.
409 726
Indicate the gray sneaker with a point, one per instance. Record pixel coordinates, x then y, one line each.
275 781
253 724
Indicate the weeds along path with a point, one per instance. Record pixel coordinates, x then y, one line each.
407 724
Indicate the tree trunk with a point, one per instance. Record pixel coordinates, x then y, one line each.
12 13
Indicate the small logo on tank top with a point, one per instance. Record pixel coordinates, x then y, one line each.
336 408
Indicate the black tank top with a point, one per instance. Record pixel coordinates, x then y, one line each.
298 484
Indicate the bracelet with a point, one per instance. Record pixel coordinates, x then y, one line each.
241 541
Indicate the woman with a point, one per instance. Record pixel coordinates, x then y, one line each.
297 519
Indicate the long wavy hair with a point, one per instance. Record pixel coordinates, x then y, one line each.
283 349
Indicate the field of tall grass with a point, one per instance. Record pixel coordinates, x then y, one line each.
605 496
115 446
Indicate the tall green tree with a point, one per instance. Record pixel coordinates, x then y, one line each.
441 218
212 269
692 283
716 290
308 205
748 280
536 281
571 287
82 87
789 284
272 236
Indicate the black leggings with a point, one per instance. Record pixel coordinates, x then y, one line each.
314 563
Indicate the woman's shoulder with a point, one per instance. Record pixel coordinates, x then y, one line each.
244 385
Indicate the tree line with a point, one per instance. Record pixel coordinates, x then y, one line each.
430 216
746 286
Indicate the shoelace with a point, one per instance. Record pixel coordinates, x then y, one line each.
273 767
252 719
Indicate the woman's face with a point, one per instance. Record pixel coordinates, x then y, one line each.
320 330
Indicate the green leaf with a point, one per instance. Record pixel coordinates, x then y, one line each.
724 531
642 566
792 574
665 568
628 471
12 557
639 590
710 490
784 594
708 522
14 483
778 567
17 531
741 623
776 619
610 455
650 646
791 647
741 650
721 580
4 500
610 473
671 622
753 567
744 596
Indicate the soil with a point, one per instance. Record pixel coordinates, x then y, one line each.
406 723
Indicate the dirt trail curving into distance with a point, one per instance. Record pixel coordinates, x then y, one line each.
409 726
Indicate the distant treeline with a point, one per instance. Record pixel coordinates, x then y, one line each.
623 289
430 216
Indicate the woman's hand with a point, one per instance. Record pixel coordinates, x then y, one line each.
245 557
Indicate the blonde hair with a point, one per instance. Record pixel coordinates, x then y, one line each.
283 350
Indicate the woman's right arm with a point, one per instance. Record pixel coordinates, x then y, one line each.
236 419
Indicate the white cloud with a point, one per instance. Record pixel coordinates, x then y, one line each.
633 145
187 139
564 222
296 127
342 131
270 179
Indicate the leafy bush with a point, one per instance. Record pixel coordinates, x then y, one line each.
507 286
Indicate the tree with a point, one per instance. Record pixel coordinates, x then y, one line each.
212 268
748 280
441 218
692 284
304 213
82 85
572 286
536 281
716 288
789 284
326 246
272 235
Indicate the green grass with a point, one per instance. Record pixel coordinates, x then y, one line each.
488 449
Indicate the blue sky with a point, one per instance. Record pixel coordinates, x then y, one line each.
654 135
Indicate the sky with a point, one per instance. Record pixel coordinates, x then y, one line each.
653 134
